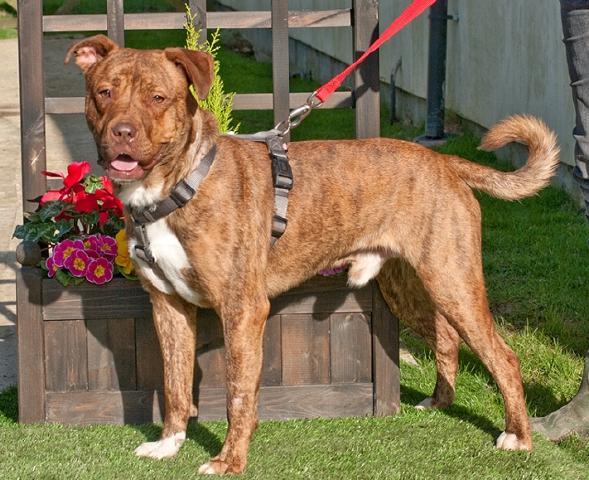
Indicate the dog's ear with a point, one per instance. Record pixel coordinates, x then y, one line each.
197 65
90 51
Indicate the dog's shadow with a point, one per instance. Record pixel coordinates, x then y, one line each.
413 397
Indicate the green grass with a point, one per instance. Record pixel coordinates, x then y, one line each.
536 261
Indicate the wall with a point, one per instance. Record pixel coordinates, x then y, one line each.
504 57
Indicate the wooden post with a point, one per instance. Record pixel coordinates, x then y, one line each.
385 356
280 62
115 21
31 370
32 101
199 10
366 77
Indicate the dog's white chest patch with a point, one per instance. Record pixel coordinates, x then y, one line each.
168 252
171 260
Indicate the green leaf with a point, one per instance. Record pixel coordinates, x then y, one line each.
92 183
65 278
90 219
63 227
51 210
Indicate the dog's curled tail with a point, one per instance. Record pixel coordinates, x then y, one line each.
532 177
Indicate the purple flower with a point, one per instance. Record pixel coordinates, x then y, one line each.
64 249
77 263
90 243
107 246
51 267
99 271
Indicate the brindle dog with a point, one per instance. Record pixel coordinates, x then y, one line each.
386 208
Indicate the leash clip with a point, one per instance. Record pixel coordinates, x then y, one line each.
297 115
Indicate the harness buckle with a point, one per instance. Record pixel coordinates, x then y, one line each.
279 224
182 193
281 173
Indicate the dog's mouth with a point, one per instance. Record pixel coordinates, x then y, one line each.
124 167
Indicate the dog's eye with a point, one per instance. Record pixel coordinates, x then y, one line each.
104 93
158 98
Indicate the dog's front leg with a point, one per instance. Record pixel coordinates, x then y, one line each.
244 329
175 323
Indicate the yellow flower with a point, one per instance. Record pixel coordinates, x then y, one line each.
122 259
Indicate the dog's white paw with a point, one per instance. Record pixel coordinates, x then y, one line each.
164 448
425 404
509 441
207 469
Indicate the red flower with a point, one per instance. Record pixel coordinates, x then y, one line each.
75 173
85 203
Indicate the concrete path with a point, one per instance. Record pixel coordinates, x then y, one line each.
75 145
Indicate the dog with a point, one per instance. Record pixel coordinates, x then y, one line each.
387 209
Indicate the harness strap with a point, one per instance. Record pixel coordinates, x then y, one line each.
182 192
282 178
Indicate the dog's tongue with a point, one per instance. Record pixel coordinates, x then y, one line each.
124 163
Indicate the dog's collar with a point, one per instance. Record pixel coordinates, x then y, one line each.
180 195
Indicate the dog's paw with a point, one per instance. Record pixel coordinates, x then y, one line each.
164 448
509 441
216 466
426 404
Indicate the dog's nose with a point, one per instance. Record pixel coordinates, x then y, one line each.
124 131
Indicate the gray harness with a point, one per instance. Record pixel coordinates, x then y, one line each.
185 189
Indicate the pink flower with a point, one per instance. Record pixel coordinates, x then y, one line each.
99 271
90 243
77 263
64 249
51 267
107 246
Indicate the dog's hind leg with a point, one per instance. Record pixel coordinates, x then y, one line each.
409 301
244 330
457 287
175 324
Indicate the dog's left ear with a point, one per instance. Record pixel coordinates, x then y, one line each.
90 51
197 65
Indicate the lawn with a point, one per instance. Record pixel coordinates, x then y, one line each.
536 261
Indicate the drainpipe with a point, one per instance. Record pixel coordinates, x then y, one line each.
436 74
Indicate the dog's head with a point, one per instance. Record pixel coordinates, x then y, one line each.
138 104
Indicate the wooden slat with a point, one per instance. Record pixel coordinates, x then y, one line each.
366 76
175 21
32 116
111 354
385 357
327 301
66 365
210 362
305 350
86 408
241 101
351 345
308 401
150 373
89 301
115 21
280 63
272 367
29 325
319 295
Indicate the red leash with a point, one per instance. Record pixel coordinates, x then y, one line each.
416 8
409 14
